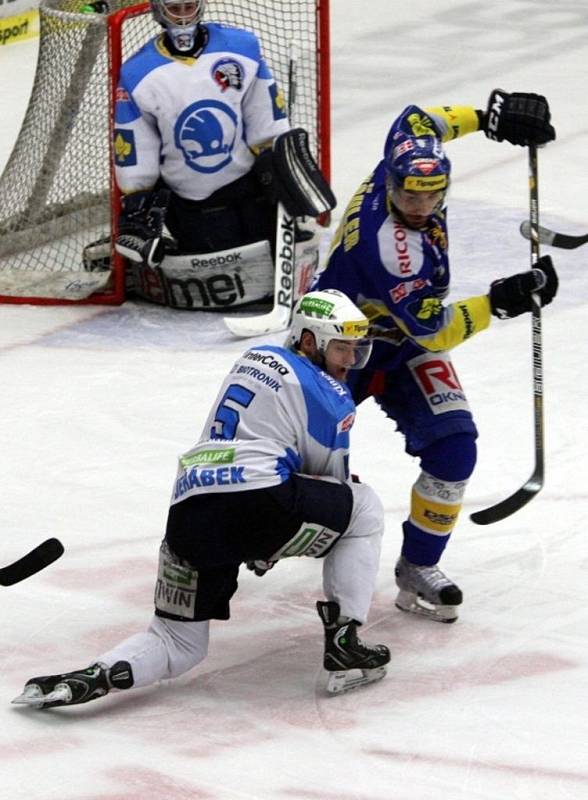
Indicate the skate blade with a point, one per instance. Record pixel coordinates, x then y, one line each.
414 604
341 681
34 697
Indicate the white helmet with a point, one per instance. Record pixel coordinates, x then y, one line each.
180 18
330 315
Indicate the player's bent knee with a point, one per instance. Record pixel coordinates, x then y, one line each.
186 643
452 458
367 516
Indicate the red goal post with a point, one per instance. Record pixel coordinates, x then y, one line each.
58 192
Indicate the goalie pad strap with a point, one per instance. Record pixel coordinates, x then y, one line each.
302 188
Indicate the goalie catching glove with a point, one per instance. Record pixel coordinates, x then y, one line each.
290 175
140 232
511 296
521 118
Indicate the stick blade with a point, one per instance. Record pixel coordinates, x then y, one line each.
273 322
561 240
39 558
509 506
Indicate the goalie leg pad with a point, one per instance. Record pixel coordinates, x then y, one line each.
301 186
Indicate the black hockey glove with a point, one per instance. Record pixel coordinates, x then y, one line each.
511 296
141 227
521 118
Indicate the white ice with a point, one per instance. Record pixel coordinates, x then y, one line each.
97 402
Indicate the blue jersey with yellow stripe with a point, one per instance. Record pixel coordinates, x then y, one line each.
397 275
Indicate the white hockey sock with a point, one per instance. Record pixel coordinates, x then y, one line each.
351 568
167 649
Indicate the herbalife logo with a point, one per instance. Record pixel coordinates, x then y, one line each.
208 457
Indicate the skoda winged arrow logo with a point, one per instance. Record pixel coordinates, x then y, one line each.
205 133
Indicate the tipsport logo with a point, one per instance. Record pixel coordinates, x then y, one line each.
206 132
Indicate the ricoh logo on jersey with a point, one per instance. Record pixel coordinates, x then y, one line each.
401 248
436 378
206 132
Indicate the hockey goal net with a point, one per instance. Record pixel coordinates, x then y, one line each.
57 192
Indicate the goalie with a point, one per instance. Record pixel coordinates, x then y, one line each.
203 148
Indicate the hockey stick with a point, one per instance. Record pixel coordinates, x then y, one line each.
534 484
278 319
39 558
546 236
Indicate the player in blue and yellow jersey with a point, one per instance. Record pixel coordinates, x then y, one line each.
390 255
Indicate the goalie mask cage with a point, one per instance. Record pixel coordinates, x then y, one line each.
57 192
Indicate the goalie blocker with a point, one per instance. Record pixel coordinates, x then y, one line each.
240 276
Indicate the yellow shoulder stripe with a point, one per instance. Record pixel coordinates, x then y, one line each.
465 319
455 121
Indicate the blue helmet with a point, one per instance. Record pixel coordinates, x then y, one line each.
417 163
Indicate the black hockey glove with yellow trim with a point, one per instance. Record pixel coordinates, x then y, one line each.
511 296
521 118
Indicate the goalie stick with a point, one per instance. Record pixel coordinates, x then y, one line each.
278 319
547 236
39 558
534 484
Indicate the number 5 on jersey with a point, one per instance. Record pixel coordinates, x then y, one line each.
227 418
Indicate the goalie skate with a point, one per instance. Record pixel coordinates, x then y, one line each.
426 591
73 688
346 655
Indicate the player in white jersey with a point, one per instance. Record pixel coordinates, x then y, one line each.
268 479
201 133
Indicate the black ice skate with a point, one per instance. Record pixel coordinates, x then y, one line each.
344 651
426 591
73 688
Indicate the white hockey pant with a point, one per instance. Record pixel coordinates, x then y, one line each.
168 648
350 569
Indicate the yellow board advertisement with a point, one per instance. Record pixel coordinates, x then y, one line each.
19 27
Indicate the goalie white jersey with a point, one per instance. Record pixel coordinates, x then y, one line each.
192 121
276 414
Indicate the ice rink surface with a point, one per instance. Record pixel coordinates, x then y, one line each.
97 402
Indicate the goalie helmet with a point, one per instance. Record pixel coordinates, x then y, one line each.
331 316
180 18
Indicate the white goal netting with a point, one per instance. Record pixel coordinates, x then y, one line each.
56 193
